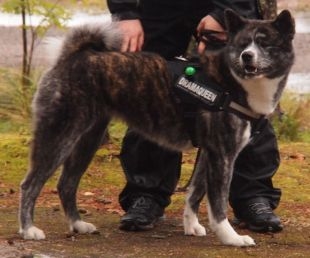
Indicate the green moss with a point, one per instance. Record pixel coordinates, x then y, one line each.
13 157
293 176
294 123
105 177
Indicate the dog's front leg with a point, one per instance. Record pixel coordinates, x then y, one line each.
211 178
197 191
219 169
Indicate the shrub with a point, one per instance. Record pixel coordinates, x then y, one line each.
294 122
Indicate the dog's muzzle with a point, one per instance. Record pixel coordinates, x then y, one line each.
248 63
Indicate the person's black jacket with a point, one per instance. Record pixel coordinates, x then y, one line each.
129 9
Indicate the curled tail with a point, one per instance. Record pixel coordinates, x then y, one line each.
103 36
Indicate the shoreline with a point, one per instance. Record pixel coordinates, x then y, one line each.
11 55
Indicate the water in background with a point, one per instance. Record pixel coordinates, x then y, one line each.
7 19
297 82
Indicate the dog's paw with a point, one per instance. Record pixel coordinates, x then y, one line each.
239 240
228 236
83 227
32 233
195 230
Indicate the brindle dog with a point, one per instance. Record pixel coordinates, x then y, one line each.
91 82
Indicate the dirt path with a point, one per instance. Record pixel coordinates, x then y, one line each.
166 240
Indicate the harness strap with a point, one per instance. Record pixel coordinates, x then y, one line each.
195 87
210 96
236 108
196 90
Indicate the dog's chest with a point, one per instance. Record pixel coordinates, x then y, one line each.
260 92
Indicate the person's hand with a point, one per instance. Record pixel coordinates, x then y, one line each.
133 35
209 23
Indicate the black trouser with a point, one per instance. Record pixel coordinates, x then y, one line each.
150 170
154 171
255 167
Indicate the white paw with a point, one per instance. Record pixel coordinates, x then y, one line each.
195 230
240 241
82 227
32 233
191 223
228 236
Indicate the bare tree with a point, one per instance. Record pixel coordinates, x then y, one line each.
52 14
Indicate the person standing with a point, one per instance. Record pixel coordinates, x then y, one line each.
152 172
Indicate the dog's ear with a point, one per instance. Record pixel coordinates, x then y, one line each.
233 21
285 24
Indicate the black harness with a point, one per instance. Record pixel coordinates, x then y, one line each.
196 90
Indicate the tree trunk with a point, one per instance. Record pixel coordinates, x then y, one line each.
25 75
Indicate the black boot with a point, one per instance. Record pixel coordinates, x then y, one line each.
142 214
257 215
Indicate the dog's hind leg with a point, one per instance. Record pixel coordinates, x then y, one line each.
30 189
197 190
74 167
48 152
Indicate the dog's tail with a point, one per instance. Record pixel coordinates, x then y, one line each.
97 36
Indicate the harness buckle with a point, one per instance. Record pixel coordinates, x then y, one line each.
224 101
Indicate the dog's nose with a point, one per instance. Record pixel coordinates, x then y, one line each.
247 56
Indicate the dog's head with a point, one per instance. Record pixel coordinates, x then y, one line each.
259 48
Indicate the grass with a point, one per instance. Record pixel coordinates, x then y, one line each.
293 124
105 179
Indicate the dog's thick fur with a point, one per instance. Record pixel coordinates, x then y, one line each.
91 82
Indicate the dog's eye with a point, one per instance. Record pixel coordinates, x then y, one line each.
272 48
262 39
244 43
263 42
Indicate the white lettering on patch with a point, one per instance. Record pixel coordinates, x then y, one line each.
196 89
